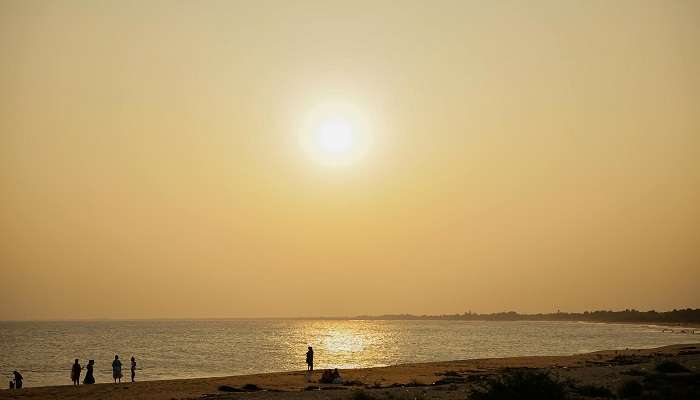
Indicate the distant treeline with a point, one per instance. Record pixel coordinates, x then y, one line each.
688 315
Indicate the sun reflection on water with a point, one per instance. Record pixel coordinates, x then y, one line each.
347 344
343 341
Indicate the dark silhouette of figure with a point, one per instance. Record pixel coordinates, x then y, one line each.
310 358
18 379
329 376
117 369
75 373
89 377
133 368
12 384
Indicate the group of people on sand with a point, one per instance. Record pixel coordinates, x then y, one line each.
90 378
328 376
16 381
77 369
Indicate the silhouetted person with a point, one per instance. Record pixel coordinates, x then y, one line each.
117 369
12 384
310 358
133 368
18 379
89 377
75 373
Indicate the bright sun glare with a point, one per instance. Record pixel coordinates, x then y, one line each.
335 134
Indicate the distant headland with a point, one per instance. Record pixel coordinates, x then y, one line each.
684 316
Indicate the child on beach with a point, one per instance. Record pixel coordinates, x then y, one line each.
133 368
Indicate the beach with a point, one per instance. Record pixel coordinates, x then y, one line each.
435 380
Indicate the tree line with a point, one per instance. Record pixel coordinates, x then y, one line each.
688 315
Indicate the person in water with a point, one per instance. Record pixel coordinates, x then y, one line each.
117 369
18 379
133 368
310 358
89 377
75 373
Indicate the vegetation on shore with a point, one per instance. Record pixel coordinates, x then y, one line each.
684 316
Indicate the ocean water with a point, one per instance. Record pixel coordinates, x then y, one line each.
44 351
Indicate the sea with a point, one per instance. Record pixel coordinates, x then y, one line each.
168 349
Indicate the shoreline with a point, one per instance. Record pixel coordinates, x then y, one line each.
687 326
589 368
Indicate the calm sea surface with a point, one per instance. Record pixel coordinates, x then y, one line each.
44 351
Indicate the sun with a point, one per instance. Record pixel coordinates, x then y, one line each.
335 134
334 137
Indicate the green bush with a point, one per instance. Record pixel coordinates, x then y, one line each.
521 385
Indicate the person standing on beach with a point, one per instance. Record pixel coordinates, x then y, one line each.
310 358
75 373
117 369
89 377
133 368
18 379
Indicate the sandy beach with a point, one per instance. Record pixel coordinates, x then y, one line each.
438 380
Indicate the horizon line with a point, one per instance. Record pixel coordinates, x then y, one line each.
355 317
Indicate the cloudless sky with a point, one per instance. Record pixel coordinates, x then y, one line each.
527 156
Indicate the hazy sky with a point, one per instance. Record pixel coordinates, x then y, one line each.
508 155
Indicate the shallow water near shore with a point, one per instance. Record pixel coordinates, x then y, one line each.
44 351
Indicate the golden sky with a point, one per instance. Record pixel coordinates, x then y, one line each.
508 155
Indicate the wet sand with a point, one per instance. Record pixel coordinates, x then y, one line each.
438 380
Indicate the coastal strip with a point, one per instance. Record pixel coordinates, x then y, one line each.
436 380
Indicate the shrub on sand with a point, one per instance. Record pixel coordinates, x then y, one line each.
594 391
229 389
630 389
670 367
521 385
